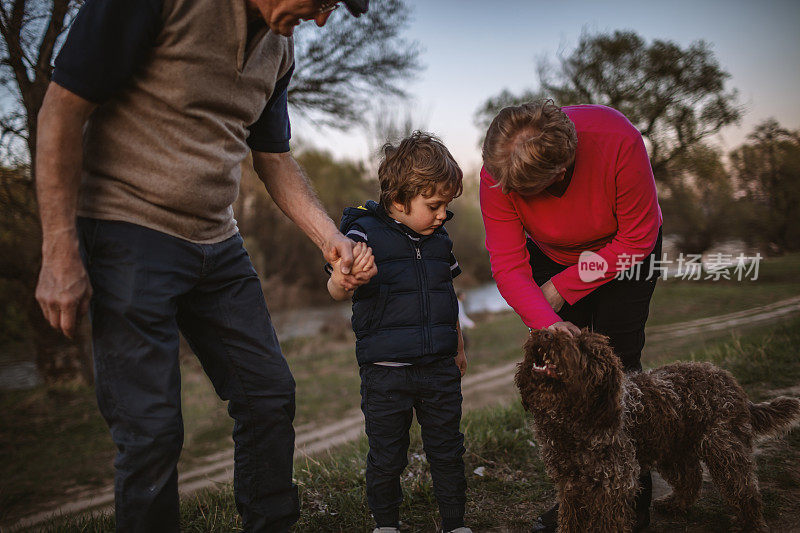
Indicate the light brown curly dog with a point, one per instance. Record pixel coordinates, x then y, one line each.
597 427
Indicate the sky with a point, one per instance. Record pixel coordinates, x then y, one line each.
473 49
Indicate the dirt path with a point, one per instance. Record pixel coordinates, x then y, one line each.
478 390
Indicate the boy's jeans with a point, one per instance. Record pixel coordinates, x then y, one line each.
147 285
389 396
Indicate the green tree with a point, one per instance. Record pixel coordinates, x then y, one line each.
468 234
675 96
700 206
767 172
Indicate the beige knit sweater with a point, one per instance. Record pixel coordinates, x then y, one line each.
165 152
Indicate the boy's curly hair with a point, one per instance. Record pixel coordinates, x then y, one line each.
527 145
419 164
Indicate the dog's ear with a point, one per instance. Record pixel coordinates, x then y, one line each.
593 344
522 379
604 377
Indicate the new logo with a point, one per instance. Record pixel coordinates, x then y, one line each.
591 266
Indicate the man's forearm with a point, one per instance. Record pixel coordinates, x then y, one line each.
59 156
294 195
63 290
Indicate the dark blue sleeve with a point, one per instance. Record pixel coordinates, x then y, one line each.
455 269
107 42
272 131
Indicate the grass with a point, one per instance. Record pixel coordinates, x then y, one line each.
58 444
506 480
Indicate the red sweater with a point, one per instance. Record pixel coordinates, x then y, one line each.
610 207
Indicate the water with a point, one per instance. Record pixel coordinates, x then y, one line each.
19 375
485 299
289 324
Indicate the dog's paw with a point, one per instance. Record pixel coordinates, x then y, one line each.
671 504
758 527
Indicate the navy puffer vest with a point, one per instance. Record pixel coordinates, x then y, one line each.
407 312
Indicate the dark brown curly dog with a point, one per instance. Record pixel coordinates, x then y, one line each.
592 421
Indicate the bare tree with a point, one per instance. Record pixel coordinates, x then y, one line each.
344 68
339 70
30 31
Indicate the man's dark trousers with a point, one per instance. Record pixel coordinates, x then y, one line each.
619 310
146 286
389 397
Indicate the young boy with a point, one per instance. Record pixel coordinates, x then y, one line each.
408 341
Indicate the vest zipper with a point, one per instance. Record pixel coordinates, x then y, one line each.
427 342
423 298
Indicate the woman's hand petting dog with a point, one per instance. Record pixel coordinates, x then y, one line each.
567 327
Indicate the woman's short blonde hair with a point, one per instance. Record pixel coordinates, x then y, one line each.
419 164
528 145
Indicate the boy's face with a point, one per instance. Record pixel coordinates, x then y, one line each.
424 215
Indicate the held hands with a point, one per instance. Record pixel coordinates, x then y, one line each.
361 271
363 263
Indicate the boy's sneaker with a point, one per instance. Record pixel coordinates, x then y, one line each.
385 530
459 530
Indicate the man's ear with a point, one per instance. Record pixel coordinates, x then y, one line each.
398 207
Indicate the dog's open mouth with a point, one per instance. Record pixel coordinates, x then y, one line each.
543 365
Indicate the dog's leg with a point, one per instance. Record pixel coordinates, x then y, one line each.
596 509
729 458
569 515
685 476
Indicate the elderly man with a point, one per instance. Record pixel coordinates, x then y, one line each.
153 106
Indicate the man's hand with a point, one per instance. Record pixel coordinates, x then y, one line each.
567 327
63 291
338 249
555 300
